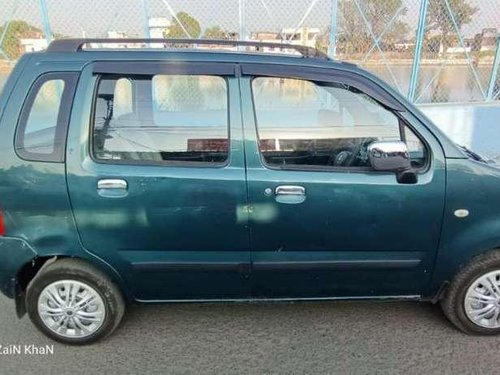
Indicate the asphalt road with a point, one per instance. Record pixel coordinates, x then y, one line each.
313 338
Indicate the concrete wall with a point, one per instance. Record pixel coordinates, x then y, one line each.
476 126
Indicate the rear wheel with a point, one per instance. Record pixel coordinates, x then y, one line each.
472 301
74 303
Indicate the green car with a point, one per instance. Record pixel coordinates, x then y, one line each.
153 174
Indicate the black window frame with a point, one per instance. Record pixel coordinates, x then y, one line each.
323 77
58 154
127 69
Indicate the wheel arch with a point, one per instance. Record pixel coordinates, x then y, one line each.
446 270
31 269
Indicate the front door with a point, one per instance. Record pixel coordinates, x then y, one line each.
157 183
322 222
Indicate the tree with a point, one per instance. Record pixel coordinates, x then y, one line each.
399 32
355 33
440 19
189 24
17 30
352 31
215 32
380 13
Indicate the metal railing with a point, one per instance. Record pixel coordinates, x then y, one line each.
75 45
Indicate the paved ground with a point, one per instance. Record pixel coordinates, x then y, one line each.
335 337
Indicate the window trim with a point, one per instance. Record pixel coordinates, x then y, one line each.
165 163
325 75
58 154
151 68
402 122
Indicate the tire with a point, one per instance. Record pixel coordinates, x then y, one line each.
97 306
453 303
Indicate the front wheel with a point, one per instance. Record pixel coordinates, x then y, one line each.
73 303
472 302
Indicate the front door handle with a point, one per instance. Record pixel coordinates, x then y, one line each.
290 190
112 188
290 194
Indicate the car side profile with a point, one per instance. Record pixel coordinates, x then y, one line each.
156 174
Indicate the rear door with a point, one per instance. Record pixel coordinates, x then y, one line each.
157 179
323 223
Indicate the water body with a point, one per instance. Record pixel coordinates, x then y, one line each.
440 84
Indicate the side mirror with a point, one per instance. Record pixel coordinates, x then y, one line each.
392 156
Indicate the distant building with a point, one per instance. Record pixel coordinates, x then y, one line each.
113 34
116 34
306 36
158 26
458 50
302 36
270 37
34 45
265 36
489 39
404 45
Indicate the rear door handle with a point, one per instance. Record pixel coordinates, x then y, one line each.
112 184
112 188
290 194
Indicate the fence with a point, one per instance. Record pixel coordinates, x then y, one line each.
430 50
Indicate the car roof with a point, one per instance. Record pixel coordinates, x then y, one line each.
189 55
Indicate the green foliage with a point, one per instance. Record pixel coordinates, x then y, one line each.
17 30
215 32
321 46
439 18
380 13
190 24
354 33
434 43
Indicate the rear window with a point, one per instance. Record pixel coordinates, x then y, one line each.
41 133
166 119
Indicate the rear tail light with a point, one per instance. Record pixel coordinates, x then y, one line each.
2 225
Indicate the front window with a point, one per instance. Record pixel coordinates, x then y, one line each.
306 124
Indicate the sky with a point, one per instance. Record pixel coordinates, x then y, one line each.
93 18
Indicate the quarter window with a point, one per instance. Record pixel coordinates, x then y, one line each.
42 128
167 119
304 124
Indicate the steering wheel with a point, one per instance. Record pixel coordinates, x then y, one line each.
347 156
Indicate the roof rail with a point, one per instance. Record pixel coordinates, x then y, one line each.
75 45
